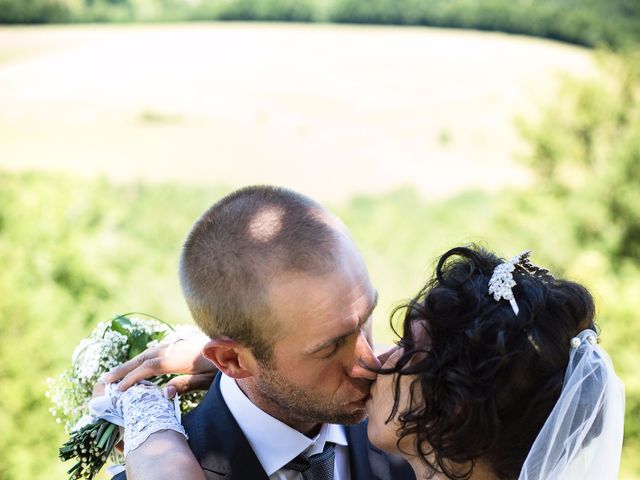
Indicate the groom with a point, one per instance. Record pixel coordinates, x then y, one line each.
277 281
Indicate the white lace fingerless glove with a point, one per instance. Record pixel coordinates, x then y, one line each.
141 410
146 411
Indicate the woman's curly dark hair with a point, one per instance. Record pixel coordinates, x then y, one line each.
489 378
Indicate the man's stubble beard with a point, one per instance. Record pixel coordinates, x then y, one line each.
297 405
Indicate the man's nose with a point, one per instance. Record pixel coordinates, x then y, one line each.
365 360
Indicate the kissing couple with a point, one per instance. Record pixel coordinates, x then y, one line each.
497 375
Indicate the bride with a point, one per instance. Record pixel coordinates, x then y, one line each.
498 375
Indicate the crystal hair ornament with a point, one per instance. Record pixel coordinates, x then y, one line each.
501 283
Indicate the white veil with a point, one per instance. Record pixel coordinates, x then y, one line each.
582 438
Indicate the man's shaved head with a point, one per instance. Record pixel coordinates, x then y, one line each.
238 245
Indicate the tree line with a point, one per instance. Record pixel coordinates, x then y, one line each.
611 23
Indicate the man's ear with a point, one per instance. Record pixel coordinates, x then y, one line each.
231 358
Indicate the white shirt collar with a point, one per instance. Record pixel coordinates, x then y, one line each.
274 443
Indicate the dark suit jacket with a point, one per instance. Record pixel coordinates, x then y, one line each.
224 453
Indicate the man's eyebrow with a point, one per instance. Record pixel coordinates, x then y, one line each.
337 338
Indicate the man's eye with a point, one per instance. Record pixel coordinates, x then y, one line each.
333 348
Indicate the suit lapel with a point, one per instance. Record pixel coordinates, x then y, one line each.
366 461
217 441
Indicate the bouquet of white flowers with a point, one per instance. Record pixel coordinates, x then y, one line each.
92 440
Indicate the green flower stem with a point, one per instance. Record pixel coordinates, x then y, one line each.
105 436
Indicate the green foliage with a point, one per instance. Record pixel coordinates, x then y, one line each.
33 11
584 22
268 10
614 23
73 254
586 154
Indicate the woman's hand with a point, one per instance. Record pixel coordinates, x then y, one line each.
182 356
163 455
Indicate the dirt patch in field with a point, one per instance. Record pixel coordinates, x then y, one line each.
329 110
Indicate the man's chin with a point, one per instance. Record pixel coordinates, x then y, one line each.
353 417
361 417
355 412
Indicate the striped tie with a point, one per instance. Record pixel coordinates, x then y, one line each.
315 467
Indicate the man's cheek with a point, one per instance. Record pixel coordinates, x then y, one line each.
318 377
